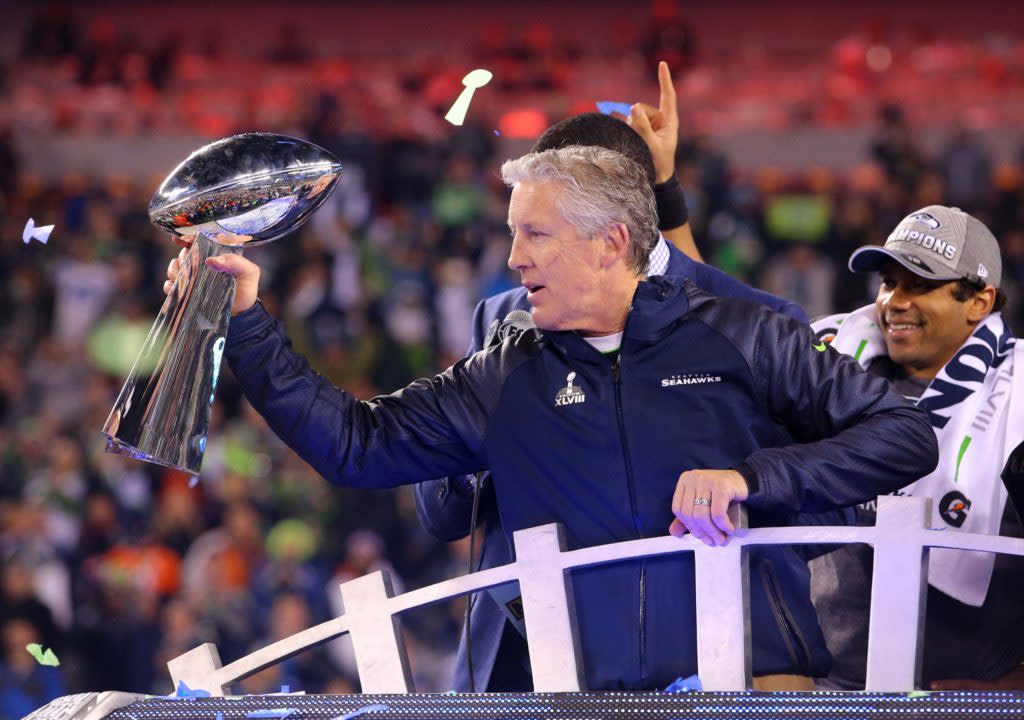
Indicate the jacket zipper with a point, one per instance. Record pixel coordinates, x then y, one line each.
616 367
798 648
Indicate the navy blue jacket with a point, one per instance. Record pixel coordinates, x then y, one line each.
816 431
707 278
445 513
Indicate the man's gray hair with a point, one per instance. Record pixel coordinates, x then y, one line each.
601 187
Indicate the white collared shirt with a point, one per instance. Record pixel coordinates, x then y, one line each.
657 263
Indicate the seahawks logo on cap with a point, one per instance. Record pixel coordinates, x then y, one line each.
926 218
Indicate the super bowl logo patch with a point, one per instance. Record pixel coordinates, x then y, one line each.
570 394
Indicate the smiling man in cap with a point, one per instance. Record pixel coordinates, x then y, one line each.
936 333
940 271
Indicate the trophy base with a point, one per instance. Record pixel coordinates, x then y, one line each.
117 447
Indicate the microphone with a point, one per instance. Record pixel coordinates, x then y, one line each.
515 321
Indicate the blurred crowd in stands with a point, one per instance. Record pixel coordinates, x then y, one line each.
120 566
96 77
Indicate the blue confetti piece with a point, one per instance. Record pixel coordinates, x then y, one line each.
362 711
689 684
218 716
285 689
184 692
610 106
272 714
497 133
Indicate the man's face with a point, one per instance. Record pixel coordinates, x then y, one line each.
561 271
921 320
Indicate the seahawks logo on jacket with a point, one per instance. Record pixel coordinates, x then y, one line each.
691 379
570 394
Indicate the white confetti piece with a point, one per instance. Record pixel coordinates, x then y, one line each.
473 80
42 234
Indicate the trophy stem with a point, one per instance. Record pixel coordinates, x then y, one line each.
162 414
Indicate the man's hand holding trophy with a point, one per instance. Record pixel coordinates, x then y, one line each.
245 272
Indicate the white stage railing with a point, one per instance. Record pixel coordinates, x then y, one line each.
901 538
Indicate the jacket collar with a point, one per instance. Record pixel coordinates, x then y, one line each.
679 263
659 303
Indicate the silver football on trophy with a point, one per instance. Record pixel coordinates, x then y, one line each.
257 184
244 190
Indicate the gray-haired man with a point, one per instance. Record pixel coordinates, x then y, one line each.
570 417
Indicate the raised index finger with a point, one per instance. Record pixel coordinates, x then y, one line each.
667 103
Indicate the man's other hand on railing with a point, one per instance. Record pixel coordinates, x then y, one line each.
701 504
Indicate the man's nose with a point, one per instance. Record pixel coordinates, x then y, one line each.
516 257
897 298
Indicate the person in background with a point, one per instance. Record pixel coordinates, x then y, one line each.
936 333
25 684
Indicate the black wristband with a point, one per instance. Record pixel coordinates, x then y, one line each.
672 210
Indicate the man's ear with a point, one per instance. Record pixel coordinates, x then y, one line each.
980 304
616 244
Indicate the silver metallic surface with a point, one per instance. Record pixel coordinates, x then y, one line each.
163 416
257 184
244 190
